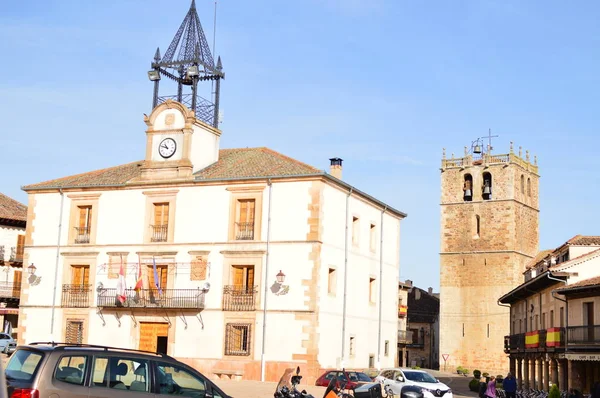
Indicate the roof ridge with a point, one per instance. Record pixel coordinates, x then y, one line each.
281 155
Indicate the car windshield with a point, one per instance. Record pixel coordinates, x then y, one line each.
355 376
420 377
22 365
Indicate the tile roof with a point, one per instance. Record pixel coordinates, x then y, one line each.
539 257
580 240
11 209
575 261
233 163
595 281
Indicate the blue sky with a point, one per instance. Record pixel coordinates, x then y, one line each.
382 84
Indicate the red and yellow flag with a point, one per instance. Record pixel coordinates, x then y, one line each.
138 283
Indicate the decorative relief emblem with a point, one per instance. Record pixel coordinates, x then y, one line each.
169 119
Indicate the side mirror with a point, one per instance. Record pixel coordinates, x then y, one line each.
399 378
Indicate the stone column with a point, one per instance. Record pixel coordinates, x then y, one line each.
513 366
570 371
539 374
519 374
526 373
562 382
532 373
546 384
554 368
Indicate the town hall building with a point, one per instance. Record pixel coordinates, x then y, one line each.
240 261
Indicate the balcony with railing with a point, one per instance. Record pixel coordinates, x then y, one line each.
159 233
10 290
583 336
539 340
82 234
16 254
152 298
239 298
244 230
76 296
405 336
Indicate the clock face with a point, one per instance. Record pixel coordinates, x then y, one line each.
167 147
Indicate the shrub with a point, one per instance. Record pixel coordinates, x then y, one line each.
477 374
474 385
554 392
465 371
459 369
415 367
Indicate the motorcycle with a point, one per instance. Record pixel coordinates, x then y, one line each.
286 388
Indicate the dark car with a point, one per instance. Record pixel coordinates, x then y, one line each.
78 370
352 378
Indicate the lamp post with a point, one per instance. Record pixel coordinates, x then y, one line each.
280 277
31 269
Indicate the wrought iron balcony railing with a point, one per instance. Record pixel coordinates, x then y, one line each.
153 298
405 336
76 296
10 290
16 254
583 335
239 298
159 233
82 234
544 339
244 230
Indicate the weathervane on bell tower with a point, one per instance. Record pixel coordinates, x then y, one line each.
188 61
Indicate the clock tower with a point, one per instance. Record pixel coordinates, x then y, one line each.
183 135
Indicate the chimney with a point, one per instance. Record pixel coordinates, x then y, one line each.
430 290
335 169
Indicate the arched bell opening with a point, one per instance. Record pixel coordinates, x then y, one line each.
468 188
487 186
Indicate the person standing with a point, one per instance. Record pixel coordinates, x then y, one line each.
510 385
491 388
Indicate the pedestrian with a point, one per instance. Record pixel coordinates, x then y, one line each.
491 388
482 388
510 385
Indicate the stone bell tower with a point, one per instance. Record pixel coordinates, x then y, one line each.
489 231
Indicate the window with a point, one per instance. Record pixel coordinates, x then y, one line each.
551 318
562 317
174 380
355 230
543 320
487 186
386 348
371 361
77 294
373 237
372 290
121 373
529 187
351 348
468 188
160 224
71 369
523 184
83 230
521 326
331 281
157 282
477 225
20 248
237 339
74 332
23 365
415 336
245 219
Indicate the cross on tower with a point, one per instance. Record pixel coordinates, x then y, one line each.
188 61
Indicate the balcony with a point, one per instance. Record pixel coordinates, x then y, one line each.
159 233
76 296
244 230
588 335
152 298
10 290
16 254
539 340
405 336
82 234
239 298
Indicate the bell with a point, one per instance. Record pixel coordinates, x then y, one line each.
477 149
468 193
487 190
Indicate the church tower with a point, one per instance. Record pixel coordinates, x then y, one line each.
183 129
489 231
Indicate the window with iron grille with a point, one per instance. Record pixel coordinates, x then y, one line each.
237 339
74 332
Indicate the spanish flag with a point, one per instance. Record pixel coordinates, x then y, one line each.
139 284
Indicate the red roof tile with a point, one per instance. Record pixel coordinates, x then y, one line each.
595 281
11 209
580 240
233 163
539 257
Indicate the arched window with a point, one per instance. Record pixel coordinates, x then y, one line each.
468 188
522 184
529 187
478 224
487 186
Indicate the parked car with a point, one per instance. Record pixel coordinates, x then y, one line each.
79 370
7 344
352 378
399 377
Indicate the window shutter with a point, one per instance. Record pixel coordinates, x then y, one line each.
20 244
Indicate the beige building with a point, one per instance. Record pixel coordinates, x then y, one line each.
554 334
489 232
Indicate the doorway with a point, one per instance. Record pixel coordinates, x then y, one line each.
154 337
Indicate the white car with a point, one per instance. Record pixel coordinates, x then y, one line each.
399 377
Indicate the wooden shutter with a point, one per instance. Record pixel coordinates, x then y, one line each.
85 270
76 275
246 210
161 270
161 214
85 216
17 277
20 244
238 277
74 332
249 277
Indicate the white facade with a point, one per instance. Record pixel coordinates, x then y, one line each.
305 239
